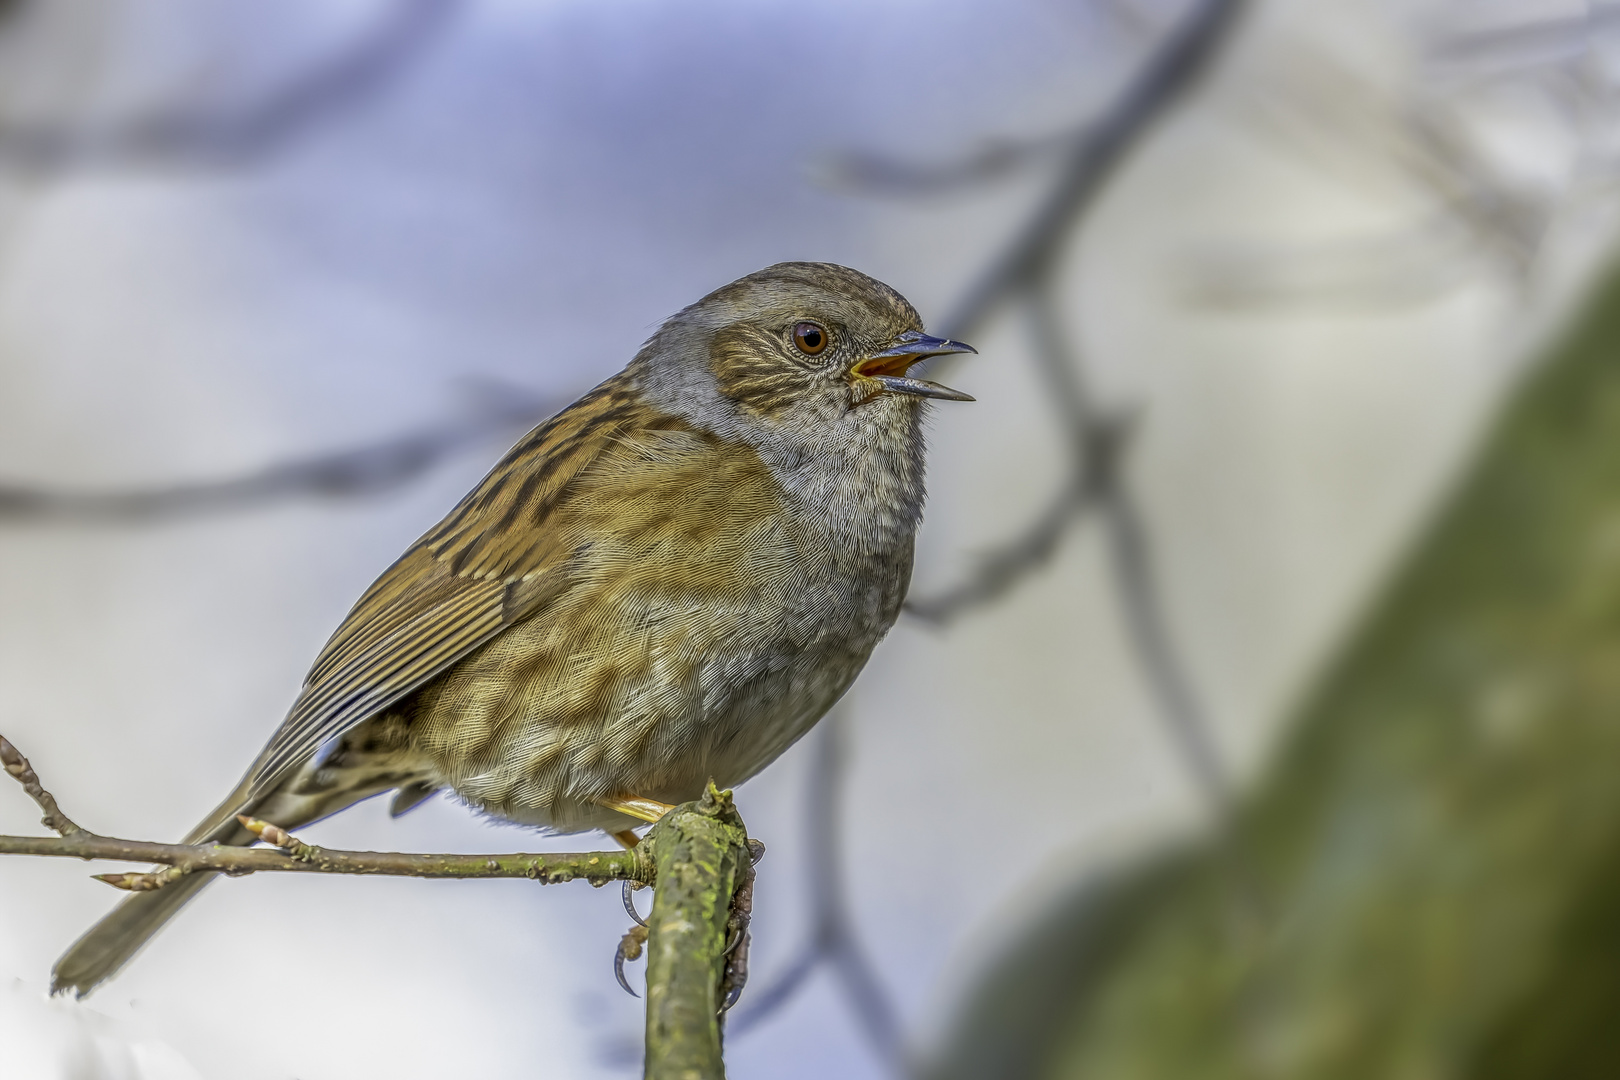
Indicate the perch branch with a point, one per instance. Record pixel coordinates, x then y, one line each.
696 940
597 867
704 866
293 855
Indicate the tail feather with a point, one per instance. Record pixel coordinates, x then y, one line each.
307 796
109 945
113 942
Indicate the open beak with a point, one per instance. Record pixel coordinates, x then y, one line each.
888 368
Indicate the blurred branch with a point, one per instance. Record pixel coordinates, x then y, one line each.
363 470
1486 207
1438 830
1083 148
879 174
1026 270
996 572
833 938
1096 443
1174 67
1134 18
1164 672
1089 156
1532 43
1099 441
239 137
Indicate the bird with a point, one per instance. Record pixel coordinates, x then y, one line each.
666 583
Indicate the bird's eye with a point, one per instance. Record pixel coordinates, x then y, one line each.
810 338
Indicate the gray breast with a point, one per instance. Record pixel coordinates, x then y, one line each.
840 604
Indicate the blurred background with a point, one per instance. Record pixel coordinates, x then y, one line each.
1253 714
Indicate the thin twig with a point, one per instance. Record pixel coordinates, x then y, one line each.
246 135
597 867
24 774
291 855
699 855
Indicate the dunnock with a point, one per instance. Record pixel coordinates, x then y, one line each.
669 581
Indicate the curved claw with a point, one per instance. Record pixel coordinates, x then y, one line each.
736 967
736 951
618 973
629 949
630 903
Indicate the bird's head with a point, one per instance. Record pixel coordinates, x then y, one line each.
804 354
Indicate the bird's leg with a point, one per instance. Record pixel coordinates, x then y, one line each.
631 944
636 807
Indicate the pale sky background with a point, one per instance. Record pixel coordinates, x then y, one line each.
525 204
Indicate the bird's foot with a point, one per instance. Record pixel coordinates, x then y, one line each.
630 947
742 913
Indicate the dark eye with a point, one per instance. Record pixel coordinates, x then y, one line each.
810 338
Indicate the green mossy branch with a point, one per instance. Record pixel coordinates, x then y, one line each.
1435 848
701 854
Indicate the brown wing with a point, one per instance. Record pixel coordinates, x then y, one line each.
490 563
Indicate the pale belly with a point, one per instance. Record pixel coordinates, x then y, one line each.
540 725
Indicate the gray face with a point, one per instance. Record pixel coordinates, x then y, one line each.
791 359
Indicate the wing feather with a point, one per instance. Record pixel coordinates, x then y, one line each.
493 560
395 664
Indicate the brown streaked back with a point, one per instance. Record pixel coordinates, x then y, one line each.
493 561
